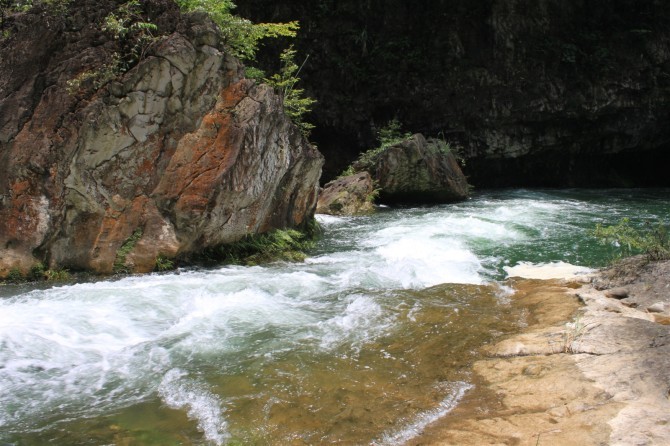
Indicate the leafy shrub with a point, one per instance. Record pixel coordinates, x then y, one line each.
129 28
387 136
163 263
241 35
254 73
37 271
653 240
296 105
125 249
391 134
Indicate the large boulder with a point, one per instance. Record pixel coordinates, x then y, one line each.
178 154
417 170
349 195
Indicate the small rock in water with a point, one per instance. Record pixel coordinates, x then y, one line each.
617 293
658 307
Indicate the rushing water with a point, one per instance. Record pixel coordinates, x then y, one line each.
361 344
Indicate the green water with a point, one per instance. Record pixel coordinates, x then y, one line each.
366 342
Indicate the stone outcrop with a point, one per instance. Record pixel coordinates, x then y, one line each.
350 195
601 378
545 93
417 170
178 154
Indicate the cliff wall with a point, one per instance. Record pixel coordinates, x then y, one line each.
176 154
538 93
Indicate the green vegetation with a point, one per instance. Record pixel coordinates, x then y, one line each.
14 276
573 332
652 241
125 249
38 272
164 263
387 136
133 33
372 196
57 275
254 73
391 134
53 6
241 35
96 78
296 105
281 244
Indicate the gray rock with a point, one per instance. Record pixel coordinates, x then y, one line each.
418 171
350 195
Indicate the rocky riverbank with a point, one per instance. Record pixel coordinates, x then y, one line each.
592 366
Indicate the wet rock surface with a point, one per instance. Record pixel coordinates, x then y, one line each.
591 373
350 195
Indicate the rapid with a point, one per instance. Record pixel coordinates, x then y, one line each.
366 342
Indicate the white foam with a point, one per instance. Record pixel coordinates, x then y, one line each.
362 320
545 271
180 392
327 220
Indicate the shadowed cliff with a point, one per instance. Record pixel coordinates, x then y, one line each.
538 93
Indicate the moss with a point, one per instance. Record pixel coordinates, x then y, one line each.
120 266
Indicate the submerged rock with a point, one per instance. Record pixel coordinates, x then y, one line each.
418 171
178 154
350 195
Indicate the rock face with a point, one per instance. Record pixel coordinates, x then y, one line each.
178 154
547 93
350 195
418 171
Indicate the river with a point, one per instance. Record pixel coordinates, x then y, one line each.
366 342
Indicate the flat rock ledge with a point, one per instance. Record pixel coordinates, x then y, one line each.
589 369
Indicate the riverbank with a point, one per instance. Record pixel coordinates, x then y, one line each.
592 366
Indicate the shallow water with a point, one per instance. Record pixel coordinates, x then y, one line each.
361 344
